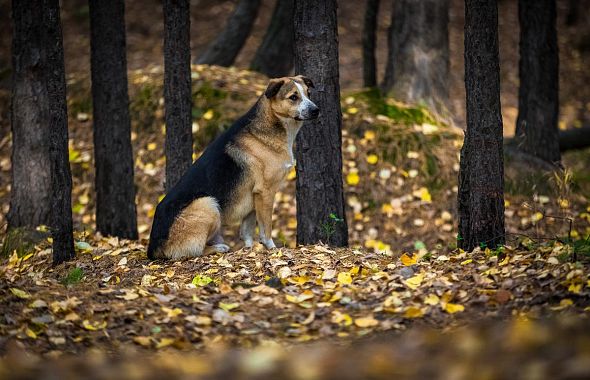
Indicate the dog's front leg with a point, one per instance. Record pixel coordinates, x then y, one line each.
263 204
247 229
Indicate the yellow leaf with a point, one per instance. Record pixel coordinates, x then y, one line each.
575 288
165 342
144 341
468 261
407 260
563 304
505 261
352 179
228 306
345 278
151 146
306 295
423 194
372 159
172 313
431 299
352 110
453 308
208 115
366 322
20 293
369 135
93 326
415 281
413 312
341 318
30 333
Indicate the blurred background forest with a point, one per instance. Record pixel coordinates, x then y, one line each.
145 32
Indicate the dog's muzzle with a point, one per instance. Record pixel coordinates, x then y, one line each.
309 113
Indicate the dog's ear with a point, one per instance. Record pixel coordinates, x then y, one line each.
308 82
273 87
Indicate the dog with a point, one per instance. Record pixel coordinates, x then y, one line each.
236 178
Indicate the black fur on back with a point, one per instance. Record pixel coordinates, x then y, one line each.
214 174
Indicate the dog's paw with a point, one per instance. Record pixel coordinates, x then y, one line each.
248 243
221 248
268 243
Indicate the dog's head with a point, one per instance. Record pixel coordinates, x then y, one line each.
289 98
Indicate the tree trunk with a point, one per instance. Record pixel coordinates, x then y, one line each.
369 43
274 57
61 177
481 176
578 138
40 125
318 151
30 202
225 48
113 157
177 89
537 133
573 12
417 69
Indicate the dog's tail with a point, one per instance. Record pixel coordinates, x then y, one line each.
197 223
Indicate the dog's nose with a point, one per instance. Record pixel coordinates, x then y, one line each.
315 112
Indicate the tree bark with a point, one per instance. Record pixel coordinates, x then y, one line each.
318 151
61 177
177 89
113 157
537 132
417 69
225 48
40 125
481 175
369 43
274 56
30 201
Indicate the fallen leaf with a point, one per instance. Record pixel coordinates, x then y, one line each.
366 322
201 280
144 341
20 293
415 281
344 278
453 308
407 260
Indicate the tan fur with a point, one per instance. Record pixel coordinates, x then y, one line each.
193 228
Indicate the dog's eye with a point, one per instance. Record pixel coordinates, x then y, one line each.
293 97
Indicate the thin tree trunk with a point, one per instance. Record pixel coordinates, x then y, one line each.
113 157
417 69
318 151
573 12
61 177
578 138
481 176
369 43
537 133
274 56
30 202
225 48
177 89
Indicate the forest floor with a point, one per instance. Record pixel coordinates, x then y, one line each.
402 273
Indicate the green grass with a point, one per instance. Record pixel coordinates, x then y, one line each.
379 105
20 240
73 277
